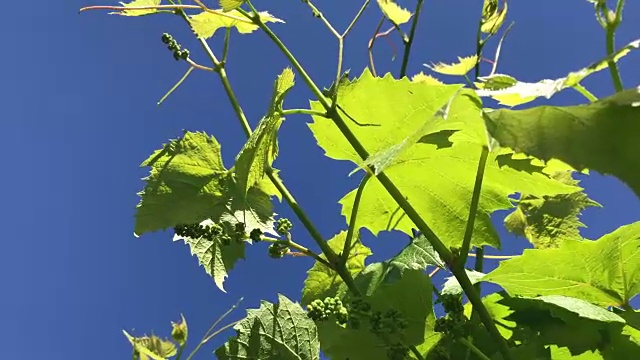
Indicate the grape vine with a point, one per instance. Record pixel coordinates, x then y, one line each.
397 128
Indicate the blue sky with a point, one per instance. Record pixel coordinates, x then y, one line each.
79 115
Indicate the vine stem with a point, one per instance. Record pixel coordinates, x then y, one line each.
611 26
473 349
352 220
409 43
302 251
207 335
395 193
475 200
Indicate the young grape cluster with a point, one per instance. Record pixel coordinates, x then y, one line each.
386 325
213 232
320 310
454 324
173 46
278 250
397 351
283 226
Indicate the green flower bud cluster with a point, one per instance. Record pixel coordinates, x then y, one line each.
278 250
397 351
454 324
223 233
173 46
283 226
256 235
320 310
387 325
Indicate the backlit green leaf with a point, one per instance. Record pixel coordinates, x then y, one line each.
438 172
602 136
206 23
188 184
322 281
228 5
451 286
216 258
549 220
410 295
138 3
152 346
492 17
523 92
605 272
568 308
273 332
571 328
260 150
424 78
417 255
394 12
463 66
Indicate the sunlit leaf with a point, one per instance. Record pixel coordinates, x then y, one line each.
280 331
438 172
523 92
189 184
228 5
463 66
601 136
417 255
152 346
216 257
394 12
605 272
550 220
427 79
409 296
138 3
260 150
451 286
492 17
206 23
322 281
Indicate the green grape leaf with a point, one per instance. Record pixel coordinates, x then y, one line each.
492 17
602 136
451 286
548 221
394 12
417 255
436 176
280 331
228 5
206 23
604 272
410 295
138 3
427 79
180 331
572 328
568 309
496 82
463 66
499 313
216 258
261 149
523 92
188 184
322 281
152 347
